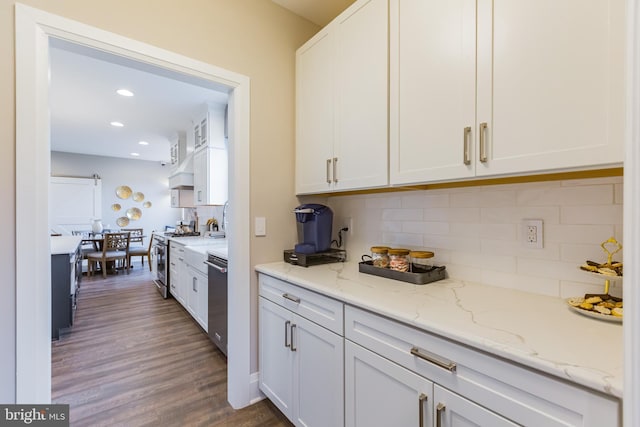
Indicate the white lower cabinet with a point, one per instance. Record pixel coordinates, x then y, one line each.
381 393
177 272
301 362
197 294
470 388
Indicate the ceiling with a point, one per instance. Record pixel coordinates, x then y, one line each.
320 12
83 99
83 102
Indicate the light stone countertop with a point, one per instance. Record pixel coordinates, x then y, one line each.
537 331
64 244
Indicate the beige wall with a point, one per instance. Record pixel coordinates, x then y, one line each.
252 37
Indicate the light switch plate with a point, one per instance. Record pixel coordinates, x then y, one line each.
260 226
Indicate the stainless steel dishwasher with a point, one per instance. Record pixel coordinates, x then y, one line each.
217 277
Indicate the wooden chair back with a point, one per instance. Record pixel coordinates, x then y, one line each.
116 242
136 234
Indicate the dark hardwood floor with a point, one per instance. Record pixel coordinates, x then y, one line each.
134 359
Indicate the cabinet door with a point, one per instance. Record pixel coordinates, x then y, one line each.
361 96
202 302
315 113
275 356
318 381
380 393
432 90
550 84
455 411
200 169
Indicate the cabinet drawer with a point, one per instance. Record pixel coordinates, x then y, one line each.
514 391
322 310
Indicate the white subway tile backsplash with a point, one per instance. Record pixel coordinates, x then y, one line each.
423 227
569 233
618 194
477 231
422 200
484 198
567 196
515 214
407 240
503 263
607 214
538 285
490 231
381 202
402 214
452 214
579 253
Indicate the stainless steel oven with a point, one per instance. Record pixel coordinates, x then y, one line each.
160 253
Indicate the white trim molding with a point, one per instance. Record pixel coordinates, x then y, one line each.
34 29
631 222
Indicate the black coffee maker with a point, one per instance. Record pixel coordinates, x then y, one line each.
314 228
314 222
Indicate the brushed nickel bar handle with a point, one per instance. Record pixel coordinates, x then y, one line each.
432 358
439 410
421 400
335 170
291 298
292 327
483 142
286 334
328 167
466 157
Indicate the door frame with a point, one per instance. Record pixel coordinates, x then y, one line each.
34 28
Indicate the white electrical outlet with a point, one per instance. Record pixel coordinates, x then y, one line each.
348 223
532 232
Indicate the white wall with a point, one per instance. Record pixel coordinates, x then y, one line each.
149 178
476 231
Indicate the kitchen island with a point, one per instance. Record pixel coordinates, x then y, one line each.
534 333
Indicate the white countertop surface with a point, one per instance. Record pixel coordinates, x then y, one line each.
205 245
64 244
537 331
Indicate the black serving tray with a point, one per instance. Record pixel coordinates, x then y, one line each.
417 277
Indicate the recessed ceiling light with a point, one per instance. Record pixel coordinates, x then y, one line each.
143 143
124 92
117 124
135 154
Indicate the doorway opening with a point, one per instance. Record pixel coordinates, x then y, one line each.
35 29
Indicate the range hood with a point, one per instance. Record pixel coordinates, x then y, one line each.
182 177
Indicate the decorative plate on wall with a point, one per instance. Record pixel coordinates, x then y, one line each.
123 221
146 204
138 197
134 213
124 192
116 207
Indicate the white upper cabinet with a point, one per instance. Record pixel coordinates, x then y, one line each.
432 85
210 160
504 88
342 103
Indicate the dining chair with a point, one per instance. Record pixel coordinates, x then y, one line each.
115 248
137 235
141 251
